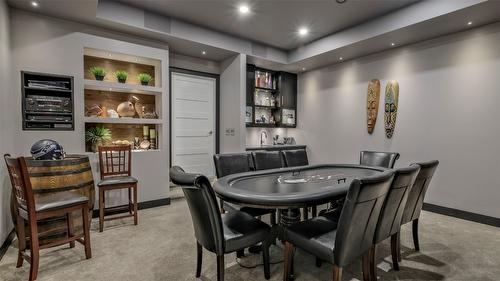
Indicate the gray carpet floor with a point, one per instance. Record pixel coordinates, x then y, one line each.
162 247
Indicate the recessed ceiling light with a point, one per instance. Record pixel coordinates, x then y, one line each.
303 69
34 3
244 9
393 44
469 23
203 52
303 31
341 58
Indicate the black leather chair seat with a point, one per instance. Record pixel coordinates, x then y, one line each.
53 201
254 212
316 236
242 230
117 180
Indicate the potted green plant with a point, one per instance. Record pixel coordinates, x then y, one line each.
144 78
121 76
98 72
96 136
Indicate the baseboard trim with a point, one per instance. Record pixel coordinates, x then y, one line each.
6 244
462 214
143 205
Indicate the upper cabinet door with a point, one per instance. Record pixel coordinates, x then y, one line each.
288 89
250 84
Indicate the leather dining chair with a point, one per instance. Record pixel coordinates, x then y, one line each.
416 200
389 221
342 242
33 208
296 158
232 163
219 233
264 160
378 159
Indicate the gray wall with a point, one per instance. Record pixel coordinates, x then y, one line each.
5 136
192 63
448 110
232 104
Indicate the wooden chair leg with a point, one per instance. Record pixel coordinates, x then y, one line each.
86 232
101 209
220 267
136 217
130 204
265 259
287 260
337 273
415 235
199 259
21 237
34 251
399 246
314 211
366 266
373 269
394 251
272 217
221 203
69 222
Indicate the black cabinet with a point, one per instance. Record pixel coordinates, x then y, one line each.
271 98
288 89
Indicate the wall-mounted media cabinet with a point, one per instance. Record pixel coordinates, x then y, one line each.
47 102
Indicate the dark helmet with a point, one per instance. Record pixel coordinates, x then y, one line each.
47 150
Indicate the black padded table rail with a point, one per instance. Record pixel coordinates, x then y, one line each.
291 187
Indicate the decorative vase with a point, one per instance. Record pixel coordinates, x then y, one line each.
95 146
99 77
144 83
126 109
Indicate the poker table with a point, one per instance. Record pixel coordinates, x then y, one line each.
288 189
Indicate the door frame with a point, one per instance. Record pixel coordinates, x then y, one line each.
217 104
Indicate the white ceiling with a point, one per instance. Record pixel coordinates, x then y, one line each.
273 22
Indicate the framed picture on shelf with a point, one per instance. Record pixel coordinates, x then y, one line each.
248 115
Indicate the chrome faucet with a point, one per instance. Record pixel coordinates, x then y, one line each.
263 134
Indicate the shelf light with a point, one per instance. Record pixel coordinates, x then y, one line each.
34 4
393 44
469 23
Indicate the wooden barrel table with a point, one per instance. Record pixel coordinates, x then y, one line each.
74 174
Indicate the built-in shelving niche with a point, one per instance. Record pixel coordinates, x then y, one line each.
109 93
122 132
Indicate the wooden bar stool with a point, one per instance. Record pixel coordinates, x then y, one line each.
33 208
115 163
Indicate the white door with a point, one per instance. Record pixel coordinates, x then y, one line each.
193 123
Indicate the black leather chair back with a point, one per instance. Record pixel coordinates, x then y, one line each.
378 159
417 192
294 158
264 160
359 217
395 202
232 163
203 207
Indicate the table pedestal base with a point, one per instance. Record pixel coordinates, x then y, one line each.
289 216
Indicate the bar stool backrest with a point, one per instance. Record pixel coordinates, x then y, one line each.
115 160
